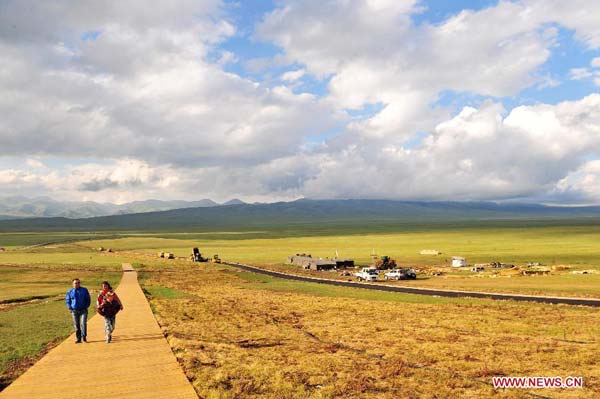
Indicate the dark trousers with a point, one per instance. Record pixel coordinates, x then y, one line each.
80 323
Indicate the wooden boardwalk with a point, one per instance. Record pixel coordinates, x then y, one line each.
137 364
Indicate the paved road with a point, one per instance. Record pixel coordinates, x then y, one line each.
137 364
423 291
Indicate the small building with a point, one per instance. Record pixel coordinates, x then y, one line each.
500 265
343 262
459 261
536 271
310 263
430 252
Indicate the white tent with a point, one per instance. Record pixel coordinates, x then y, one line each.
459 261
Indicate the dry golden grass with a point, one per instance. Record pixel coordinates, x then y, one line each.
238 335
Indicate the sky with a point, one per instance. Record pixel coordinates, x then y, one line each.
277 100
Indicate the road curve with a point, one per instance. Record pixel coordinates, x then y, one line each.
424 291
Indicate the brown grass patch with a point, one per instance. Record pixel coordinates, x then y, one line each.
243 338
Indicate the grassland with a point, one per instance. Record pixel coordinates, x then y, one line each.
33 282
572 246
241 335
21 239
576 245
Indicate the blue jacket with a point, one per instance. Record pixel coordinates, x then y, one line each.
78 299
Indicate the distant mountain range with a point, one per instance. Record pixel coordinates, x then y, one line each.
23 207
307 214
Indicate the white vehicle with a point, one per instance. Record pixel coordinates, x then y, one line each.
400 274
367 274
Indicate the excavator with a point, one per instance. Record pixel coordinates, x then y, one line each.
384 263
197 256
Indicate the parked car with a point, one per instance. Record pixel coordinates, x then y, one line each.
367 274
401 274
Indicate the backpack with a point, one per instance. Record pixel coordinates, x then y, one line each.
109 308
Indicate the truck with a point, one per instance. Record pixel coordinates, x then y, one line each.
401 274
367 274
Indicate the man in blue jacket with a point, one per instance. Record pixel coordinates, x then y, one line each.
78 302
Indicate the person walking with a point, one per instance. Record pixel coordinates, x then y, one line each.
78 301
109 305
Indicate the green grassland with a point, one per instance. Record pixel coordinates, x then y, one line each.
26 330
13 239
33 314
550 245
573 246
75 255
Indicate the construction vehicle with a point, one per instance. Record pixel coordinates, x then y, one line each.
216 259
166 255
197 256
384 263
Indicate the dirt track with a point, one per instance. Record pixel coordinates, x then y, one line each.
137 364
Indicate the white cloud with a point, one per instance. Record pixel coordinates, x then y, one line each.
580 73
578 15
586 73
142 88
292 76
480 153
581 185
34 163
385 59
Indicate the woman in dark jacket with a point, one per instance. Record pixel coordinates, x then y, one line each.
109 305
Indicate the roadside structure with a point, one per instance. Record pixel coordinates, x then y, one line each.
343 262
430 252
308 262
459 261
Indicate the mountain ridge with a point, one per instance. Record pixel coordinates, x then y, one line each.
306 212
24 207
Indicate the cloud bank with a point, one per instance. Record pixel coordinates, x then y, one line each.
118 102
